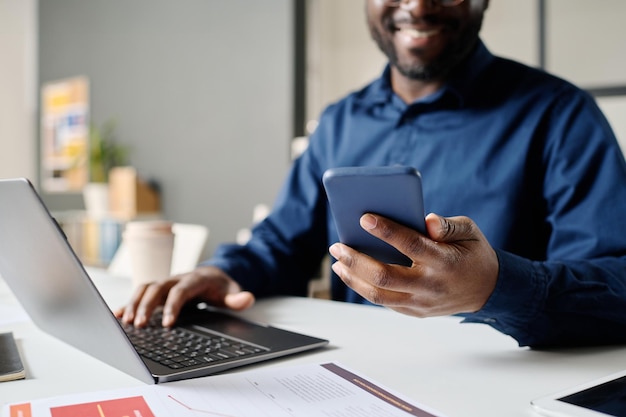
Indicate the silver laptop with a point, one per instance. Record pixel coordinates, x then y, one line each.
50 282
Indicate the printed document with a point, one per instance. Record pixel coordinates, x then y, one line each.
316 390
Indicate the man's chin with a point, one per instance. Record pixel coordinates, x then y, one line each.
418 72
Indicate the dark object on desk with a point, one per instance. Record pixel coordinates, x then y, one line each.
11 367
39 266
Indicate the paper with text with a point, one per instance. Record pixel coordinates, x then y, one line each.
318 390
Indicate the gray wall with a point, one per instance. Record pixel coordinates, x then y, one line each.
201 91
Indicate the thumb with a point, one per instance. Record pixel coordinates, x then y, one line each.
448 229
239 301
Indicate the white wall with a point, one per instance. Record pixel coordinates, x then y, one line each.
586 41
510 29
18 101
614 109
341 55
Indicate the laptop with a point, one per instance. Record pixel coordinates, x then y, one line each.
40 267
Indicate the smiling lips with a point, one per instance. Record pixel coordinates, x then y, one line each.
418 34
410 37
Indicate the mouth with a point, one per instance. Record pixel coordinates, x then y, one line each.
418 34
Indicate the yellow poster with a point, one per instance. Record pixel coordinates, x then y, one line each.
65 135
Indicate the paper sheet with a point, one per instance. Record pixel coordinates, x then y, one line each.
328 390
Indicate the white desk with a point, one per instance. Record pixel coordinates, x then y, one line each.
461 370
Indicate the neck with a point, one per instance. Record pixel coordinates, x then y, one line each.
410 90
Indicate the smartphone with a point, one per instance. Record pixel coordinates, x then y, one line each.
394 192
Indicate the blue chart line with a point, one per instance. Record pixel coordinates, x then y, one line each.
195 410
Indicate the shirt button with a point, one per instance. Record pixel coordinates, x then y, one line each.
490 320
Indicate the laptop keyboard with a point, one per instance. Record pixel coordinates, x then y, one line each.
179 348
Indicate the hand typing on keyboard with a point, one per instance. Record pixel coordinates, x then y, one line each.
206 282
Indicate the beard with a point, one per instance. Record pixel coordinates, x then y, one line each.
453 54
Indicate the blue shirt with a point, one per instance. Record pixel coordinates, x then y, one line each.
529 157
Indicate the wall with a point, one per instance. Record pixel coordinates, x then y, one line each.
341 57
201 91
18 101
585 41
585 45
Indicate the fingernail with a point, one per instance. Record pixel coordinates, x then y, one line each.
337 268
335 250
127 317
168 319
368 221
140 319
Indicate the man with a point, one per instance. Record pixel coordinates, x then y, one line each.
523 165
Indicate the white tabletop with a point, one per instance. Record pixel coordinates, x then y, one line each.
458 369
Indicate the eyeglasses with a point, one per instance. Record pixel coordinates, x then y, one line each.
412 3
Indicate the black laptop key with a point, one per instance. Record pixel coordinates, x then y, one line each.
181 347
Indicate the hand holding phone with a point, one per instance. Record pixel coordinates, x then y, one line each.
394 192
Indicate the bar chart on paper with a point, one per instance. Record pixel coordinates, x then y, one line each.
129 406
122 407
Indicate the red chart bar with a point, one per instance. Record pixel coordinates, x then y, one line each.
122 407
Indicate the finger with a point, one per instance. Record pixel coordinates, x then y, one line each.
450 229
201 284
367 276
373 293
414 291
119 312
239 301
153 296
183 291
417 295
127 312
408 241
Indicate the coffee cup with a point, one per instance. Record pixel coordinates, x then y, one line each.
150 245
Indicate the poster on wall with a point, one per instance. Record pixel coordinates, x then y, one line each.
65 135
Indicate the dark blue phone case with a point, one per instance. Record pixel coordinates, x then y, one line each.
391 191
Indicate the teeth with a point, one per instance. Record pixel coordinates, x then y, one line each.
414 33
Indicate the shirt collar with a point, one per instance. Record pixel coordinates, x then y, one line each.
459 86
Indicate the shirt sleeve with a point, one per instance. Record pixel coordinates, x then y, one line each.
577 295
